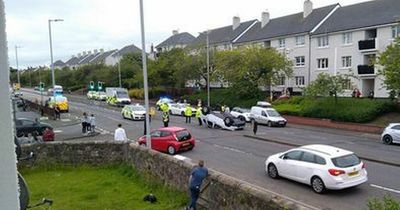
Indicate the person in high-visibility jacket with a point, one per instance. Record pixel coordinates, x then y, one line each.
188 113
165 118
164 107
198 115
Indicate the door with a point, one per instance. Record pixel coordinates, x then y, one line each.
155 140
28 126
396 133
305 167
264 117
164 140
288 164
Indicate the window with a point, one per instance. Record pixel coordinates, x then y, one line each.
307 157
346 61
396 127
346 161
183 135
395 31
267 44
322 63
165 134
299 81
347 38
281 80
282 43
300 40
319 160
293 155
347 84
323 41
300 61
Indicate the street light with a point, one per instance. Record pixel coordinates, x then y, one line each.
51 52
16 60
208 67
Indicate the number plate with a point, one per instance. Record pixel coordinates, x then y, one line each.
281 122
355 173
185 144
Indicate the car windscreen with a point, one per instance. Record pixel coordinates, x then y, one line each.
273 113
138 108
102 93
122 94
183 135
346 161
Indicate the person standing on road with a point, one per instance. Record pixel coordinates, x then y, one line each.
84 123
188 113
198 174
119 134
57 112
198 115
92 121
165 118
255 127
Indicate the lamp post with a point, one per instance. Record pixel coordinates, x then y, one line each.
51 52
208 67
119 72
144 61
16 60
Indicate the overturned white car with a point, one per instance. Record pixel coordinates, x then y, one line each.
214 119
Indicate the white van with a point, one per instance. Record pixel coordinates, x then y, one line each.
267 115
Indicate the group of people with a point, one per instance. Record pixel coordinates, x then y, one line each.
357 93
88 123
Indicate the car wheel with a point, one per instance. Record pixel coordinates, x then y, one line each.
272 171
171 150
242 118
170 112
318 185
387 139
228 121
269 123
183 114
205 110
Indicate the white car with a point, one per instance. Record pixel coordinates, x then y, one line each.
391 134
101 96
267 116
134 112
91 95
243 114
179 109
223 120
321 166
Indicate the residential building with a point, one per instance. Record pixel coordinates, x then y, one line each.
115 57
350 40
177 40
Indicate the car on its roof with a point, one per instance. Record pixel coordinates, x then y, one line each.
391 134
222 120
170 140
321 166
242 113
134 112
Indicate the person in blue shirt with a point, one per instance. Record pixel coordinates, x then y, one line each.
198 174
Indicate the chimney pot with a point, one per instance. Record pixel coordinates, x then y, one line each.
95 51
264 18
175 32
236 22
101 50
308 8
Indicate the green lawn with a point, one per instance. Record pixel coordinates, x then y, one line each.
107 187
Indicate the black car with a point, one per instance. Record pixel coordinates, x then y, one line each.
26 126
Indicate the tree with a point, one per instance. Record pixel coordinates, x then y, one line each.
327 85
390 60
255 65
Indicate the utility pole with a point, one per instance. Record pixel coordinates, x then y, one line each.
119 72
208 68
16 60
51 52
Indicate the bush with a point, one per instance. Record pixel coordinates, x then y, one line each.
136 93
388 203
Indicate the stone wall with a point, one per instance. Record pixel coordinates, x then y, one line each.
220 191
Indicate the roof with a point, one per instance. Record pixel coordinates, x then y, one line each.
88 58
128 49
326 150
103 56
72 61
371 13
287 25
181 38
58 63
223 34
172 129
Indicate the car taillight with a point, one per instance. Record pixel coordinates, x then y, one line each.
364 165
335 172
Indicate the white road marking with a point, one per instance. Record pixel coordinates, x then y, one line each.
385 188
180 157
58 131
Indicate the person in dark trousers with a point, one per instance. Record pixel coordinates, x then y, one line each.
198 115
84 123
198 174
57 112
188 113
165 119
255 125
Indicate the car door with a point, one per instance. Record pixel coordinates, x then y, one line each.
165 140
396 133
264 117
29 126
288 163
155 140
306 167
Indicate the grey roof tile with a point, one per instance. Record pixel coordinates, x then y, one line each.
59 63
366 14
181 38
128 49
101 58
287 25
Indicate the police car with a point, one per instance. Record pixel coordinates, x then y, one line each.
179 109
134 112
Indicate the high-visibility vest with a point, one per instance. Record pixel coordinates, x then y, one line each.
198 112
188 111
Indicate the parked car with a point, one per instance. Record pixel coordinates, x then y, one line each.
101 96
321 166
391 134
241 113
222 120
163 100
36 88
91 94
268 116
179 109
25 126
170 140
133 112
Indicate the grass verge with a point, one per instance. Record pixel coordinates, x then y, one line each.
105 187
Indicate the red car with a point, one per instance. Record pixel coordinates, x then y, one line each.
170 140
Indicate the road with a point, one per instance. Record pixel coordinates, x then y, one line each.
243 158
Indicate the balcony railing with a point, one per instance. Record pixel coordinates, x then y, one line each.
365 69
367 45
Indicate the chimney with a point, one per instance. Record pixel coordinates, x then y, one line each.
175 32
236 22
308 8
95 51
79 55
89 52
101 50
84 53
264 18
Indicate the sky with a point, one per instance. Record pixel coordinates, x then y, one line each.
113 24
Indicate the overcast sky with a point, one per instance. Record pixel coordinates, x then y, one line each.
112 24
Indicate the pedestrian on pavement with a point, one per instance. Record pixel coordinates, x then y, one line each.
255 125
198 115
119 134
165 119
92 121
57 112
84 123
188 113
198 174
